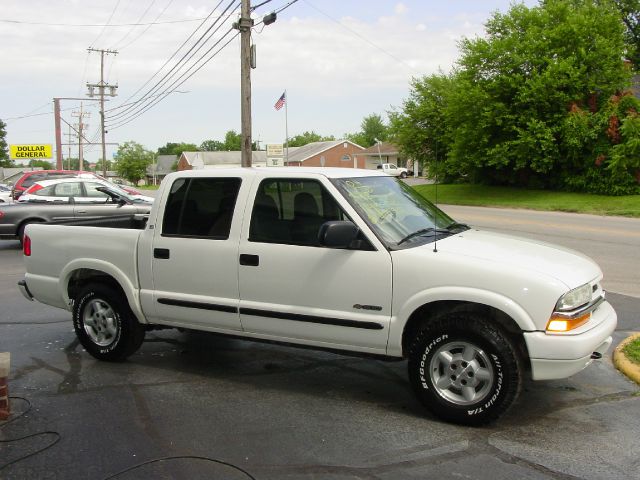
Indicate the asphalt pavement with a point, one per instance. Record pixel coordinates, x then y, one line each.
199 406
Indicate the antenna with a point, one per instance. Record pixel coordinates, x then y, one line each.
435 212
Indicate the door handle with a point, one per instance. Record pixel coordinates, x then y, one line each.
162 253
81 211
249 260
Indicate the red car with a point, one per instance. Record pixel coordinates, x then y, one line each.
29 178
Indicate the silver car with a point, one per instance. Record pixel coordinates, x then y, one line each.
14 217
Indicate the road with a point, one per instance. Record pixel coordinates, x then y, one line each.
242 410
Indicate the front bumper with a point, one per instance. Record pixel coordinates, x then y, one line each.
560 356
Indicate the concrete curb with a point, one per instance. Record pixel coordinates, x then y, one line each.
622 363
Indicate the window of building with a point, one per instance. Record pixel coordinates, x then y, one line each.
201 207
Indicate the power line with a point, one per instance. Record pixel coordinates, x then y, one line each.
361 37
175 70
177 85
114 25
107 24
168 60
155 22
133 27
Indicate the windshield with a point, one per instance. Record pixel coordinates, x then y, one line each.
396 212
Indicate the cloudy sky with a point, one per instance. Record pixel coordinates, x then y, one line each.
339 60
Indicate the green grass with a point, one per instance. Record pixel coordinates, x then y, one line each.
148 187
485 196
632 351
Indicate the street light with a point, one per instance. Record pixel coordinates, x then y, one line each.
379 154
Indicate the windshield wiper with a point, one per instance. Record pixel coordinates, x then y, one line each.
421 232
456 226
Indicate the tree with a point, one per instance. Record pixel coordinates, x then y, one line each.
132 161
630 14
177 148
212 146
44 164
99 165
422 129
535 102
308 137
74 164
5 161
232 141
372 128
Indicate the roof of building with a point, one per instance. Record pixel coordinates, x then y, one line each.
300 154
163 165
386 148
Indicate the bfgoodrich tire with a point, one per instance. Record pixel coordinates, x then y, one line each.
464 369
104 323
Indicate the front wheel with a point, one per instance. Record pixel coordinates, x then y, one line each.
464 369
403 175
105 325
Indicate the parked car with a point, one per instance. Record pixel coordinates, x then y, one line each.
14 217
83 188
342 259
393 170
29 178
5 194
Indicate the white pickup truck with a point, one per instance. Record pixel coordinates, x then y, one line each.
338 259
393 170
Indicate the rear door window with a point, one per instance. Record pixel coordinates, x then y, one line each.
201 207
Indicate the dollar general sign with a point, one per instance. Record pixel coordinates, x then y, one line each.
30 151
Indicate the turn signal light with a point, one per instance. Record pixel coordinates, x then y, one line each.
26 246
559 324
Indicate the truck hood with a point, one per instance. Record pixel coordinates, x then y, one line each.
565 265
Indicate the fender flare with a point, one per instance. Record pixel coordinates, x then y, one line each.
130 290
460 294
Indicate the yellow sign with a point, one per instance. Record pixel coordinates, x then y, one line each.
19 152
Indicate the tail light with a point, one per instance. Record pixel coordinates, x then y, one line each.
1 214
26 246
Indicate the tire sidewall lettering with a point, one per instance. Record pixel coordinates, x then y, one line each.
423 360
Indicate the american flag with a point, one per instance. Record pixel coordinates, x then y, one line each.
280 103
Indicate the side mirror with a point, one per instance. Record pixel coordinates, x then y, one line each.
337 234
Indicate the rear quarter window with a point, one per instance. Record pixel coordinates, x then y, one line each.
200 207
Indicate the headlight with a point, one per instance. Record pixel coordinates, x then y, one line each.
574 298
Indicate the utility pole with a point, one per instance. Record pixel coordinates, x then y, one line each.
244 25
56 114
81 126
69 136
58 132
112 92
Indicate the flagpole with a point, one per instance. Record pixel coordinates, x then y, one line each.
286 125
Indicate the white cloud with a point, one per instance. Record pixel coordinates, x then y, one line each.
401 9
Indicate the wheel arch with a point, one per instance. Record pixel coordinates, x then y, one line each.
83 271
502 312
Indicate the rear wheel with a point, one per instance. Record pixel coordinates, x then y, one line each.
104 323
464 369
